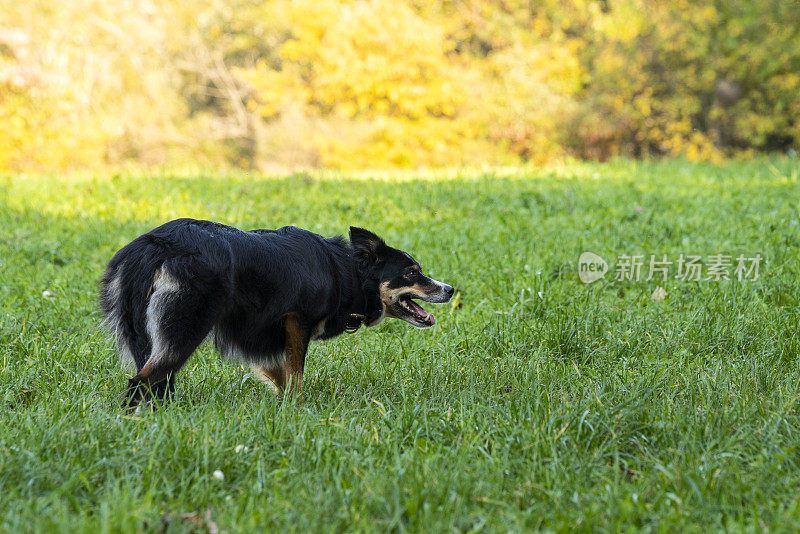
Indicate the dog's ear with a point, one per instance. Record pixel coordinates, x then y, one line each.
366 245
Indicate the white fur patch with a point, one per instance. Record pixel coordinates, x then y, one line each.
318 330
164 286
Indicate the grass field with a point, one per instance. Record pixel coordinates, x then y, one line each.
536 401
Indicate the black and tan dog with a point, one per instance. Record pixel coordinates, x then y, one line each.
263 295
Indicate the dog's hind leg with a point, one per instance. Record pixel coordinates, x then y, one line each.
178 319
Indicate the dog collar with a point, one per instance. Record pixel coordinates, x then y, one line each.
355 322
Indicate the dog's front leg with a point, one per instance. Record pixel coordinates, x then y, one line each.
274 376
297 338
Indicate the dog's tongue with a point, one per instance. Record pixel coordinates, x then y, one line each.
421 313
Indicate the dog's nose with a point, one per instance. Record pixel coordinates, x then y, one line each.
448 290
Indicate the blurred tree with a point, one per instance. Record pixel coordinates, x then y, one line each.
693 78
371 83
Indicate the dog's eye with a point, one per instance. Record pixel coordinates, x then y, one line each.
409 275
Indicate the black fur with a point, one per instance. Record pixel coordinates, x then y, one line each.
164 292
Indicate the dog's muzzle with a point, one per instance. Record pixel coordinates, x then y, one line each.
407 309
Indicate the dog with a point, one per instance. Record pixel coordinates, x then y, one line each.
262 295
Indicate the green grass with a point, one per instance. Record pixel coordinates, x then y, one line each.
539 403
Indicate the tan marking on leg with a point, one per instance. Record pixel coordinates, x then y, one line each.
297 336
150 378
274 376
145 379
146 370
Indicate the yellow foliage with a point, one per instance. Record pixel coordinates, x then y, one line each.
371 83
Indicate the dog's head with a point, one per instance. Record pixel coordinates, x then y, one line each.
397 280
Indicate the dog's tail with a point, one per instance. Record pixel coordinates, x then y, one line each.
125 294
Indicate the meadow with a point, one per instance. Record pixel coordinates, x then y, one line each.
536 402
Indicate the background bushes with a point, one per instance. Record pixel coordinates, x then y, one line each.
369 83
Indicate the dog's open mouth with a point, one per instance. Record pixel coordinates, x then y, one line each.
409 309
